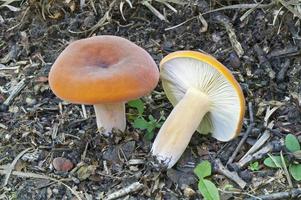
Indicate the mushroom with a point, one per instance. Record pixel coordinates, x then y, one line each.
206 97
104 71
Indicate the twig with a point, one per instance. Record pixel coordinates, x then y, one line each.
235 192
242 141
251 113
15 92
272 146
124 191
290 51
248 12
290 8
204 28
282 73
245 136
265 136
265 64
221 169
100 23
292 194
225 21
154 10
39 176
182 23
241 6
288 177
222 19
11 167
84 111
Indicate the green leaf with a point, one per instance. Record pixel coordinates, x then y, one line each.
151 118
140 123
208 190
295 171
292 143
149 135
203 169
150 128
273 162
138 104
254 166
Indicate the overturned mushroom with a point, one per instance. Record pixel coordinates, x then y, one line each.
206 98
105 71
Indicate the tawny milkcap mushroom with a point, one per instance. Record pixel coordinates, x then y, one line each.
206 97
104 71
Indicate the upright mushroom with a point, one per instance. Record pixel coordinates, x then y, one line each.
206 97
105 71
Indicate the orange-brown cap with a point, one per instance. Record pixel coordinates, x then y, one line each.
103 69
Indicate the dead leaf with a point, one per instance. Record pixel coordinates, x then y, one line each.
85 171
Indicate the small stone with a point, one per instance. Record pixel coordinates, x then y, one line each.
234 60
55 191
7 136
62 164
30 101
188 192
216 37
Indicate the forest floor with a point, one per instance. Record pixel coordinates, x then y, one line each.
259 42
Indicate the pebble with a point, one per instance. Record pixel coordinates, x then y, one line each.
30 101
188 192
62 164
234 60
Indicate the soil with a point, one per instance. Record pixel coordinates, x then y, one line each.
32 35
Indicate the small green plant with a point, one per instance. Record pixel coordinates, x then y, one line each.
293 146
254 166
206 187
147 124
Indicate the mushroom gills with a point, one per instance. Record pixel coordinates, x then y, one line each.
179 126
110 116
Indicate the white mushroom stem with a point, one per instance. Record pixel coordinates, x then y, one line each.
109 116
179 127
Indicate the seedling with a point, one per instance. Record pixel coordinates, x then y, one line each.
293 146
206 187
254 166
148 124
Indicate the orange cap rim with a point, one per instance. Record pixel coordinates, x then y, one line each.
219 67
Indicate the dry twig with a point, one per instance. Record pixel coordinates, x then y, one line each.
221 169
124 191
39 176
292 194
11 167
15 92
265 136
266 65
244 138
272 146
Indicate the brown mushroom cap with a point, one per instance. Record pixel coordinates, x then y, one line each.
103 69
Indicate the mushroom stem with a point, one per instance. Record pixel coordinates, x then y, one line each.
109 116
179 126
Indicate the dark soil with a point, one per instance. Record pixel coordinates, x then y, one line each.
31 38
